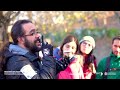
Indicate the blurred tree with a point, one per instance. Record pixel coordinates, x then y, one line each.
5 18
52 22
117 15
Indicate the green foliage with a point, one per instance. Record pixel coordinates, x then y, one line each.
56 37
112 32
96 33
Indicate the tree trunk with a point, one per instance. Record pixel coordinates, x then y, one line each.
5 33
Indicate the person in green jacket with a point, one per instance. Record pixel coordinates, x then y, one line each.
109 67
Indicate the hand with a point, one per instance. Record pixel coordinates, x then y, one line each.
62 64
92 68
47 49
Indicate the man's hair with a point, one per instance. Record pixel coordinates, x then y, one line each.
17 29
116 38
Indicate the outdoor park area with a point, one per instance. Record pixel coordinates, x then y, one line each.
55 25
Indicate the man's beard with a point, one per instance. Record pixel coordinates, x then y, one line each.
32 46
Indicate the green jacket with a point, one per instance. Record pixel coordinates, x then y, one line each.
114 63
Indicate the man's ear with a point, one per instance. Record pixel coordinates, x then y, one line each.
20 39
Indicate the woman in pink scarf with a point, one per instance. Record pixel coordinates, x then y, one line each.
68 50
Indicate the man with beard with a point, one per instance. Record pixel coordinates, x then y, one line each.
21 57
109 67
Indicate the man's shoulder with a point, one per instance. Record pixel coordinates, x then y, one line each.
48 58
16 58
17 62
104 59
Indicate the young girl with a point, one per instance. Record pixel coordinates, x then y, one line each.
68 51
86 47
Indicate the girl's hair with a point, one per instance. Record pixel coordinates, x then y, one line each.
68 39
88 58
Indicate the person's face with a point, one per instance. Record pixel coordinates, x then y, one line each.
69 49
86 47
31 38
116 47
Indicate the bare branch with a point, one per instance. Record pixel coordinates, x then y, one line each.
14 16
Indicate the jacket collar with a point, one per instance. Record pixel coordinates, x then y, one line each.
15 49
114 56
31 56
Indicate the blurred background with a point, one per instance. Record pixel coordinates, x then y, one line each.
55 25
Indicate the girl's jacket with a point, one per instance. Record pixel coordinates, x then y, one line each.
73 71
